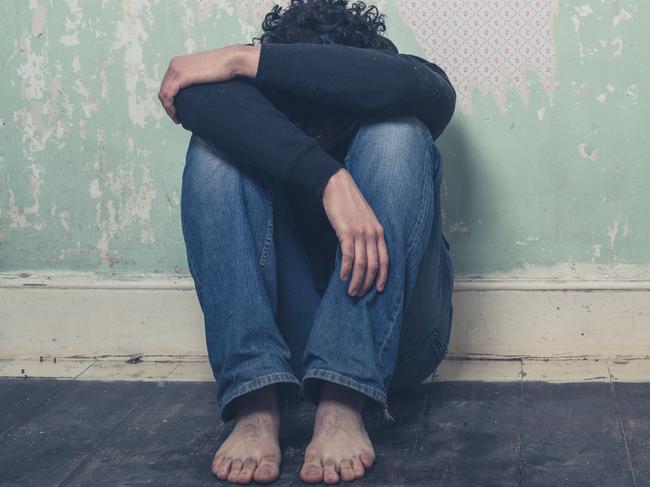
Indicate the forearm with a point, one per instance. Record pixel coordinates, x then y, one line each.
236 117
362 81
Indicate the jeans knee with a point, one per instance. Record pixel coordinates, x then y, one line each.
393 161
397 152
211 179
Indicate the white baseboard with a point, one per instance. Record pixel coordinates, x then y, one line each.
169 369
84 316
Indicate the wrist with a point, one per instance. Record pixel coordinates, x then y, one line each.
333 180
245 60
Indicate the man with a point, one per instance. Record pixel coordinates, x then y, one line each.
310 209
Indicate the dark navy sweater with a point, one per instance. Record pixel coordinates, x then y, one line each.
296 119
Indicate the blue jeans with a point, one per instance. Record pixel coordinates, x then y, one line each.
264 321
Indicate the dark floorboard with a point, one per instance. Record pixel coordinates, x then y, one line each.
571 435
158 443
633 405
469 436
20 398
76 433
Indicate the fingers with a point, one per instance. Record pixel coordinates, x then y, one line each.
347 250
383 262
372 257
359 267
169 88
363 246
166 97
365 254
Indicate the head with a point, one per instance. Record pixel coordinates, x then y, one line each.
326 22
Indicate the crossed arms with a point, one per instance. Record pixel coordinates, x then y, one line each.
220 96
235 115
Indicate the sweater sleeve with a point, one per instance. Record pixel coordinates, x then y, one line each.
364 81
238 118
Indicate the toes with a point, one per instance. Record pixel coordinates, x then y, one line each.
248 468
268 471
224 468
357 467
235 470
346 470
215 463
330 475
367 458
312 471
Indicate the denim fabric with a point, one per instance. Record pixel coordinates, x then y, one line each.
264 321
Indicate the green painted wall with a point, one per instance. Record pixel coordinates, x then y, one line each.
549 184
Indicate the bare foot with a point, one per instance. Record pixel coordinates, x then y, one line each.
252 450
340 447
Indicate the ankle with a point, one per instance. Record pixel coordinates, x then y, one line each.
335 395
261 402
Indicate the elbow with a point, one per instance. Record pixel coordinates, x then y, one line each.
445 104
445 114
440 106
449 105
445 99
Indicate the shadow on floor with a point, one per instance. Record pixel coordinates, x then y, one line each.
80 433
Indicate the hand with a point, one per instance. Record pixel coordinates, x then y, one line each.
362 237
213 66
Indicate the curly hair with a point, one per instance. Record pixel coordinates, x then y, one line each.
326 22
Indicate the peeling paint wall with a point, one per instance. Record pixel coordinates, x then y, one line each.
546 166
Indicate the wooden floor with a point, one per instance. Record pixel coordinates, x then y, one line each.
94 433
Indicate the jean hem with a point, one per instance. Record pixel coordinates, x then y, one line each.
338 378
226 403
